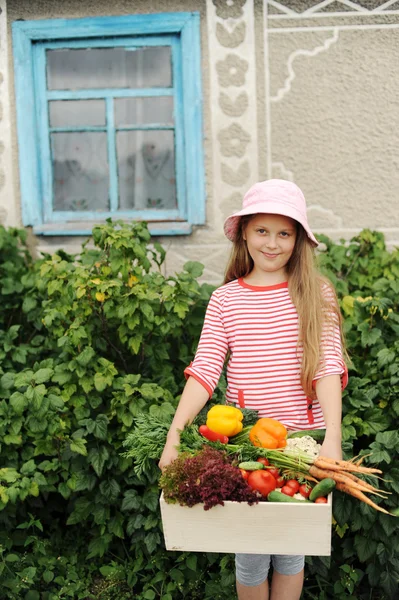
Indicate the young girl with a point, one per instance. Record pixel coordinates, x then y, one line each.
279 320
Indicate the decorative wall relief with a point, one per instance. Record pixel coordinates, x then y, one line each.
231 34
236 177
233 107
226 9
231 71
305 8
230 39
233 140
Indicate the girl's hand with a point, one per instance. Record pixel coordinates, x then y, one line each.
169 454
331 447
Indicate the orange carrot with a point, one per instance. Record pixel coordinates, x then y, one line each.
365 484
342 465
338 478
360 496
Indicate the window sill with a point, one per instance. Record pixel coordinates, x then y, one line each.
85 228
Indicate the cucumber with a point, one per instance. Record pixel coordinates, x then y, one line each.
316 434
250 465
280 497
322 489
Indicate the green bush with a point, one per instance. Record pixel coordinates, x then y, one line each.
87 343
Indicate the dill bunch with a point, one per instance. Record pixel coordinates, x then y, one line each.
145 443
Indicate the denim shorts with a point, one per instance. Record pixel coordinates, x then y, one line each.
252 569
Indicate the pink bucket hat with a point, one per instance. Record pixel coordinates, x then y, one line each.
274 196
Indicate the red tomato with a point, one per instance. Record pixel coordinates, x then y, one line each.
294 484
245 474
305 490
280 482
262 460
287 490
262 482
275 472
321 500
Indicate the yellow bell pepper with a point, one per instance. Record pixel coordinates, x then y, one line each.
226 420
268 433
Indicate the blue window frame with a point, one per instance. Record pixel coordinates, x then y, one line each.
49 140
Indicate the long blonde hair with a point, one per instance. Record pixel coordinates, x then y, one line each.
312 294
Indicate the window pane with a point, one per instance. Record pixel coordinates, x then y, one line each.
146 169
80 171
131 111
109 68
72 113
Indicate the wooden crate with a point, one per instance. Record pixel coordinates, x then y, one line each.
264 528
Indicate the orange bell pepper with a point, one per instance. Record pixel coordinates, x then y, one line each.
268 433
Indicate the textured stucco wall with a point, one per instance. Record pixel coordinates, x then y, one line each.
334 116
297 89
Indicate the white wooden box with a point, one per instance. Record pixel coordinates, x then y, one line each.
264 528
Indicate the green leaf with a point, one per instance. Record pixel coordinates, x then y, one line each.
388 439
64 490
37 425
110 488
127 419
23 379
342 509
191 562
177 575
56 402
194 268
365 547
32 595
151 391
152 540
28 467
151 499
7 381
369 336
385 357
97 458
389 524
12 439
99 545
79 446
181 309
38 394
149 595
83 508
43 375
115 526
33 489
100 382
12 558
135 343
19 402
108 571
101 427
9 475
85 356
389 583
48 576
131 500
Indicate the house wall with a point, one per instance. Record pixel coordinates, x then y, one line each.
297 89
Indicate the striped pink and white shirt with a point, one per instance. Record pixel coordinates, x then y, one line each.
258 326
